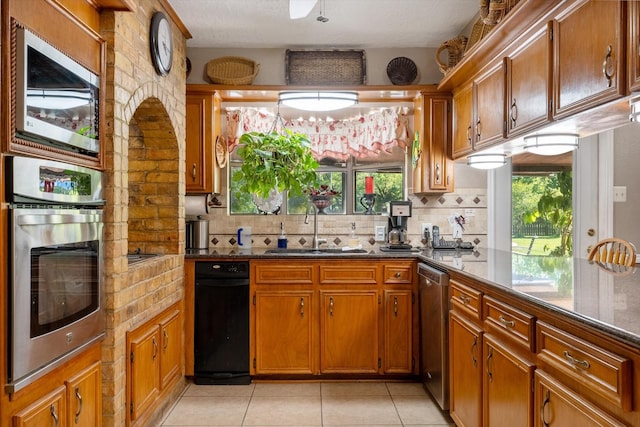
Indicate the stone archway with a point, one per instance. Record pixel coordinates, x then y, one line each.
153 181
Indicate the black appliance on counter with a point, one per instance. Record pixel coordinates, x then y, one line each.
221 339
433 291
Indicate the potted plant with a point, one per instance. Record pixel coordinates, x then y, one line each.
275 161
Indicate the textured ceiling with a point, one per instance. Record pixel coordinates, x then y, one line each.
352 23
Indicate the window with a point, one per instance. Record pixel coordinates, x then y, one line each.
345 176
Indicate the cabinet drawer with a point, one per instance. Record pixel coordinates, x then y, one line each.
466 299
289 273
512 323
602 372
349 274
398 273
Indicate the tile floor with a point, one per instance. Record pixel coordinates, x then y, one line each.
307 404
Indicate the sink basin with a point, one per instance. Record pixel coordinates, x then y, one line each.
311 251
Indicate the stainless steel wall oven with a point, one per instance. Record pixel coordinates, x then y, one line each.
56 297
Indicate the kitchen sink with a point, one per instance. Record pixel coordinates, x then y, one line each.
311 251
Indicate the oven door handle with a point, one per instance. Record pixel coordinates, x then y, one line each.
45 219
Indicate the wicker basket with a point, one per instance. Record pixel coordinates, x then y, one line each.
332 67
455 50
232 70
479 30
492 11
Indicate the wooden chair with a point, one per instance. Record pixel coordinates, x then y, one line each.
614 255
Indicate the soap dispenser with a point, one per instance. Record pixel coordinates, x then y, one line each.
282 239
354 242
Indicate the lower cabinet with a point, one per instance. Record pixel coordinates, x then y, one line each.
560 406
398 326
155 356
76 403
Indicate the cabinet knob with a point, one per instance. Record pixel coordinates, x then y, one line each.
591 232
193 172
514 113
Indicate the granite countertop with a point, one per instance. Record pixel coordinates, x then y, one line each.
569 286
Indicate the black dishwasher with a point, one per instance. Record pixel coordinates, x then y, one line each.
221 353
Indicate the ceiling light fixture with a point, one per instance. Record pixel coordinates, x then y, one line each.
486 160
321 17
318 101
551 144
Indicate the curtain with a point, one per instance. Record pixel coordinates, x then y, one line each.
364 136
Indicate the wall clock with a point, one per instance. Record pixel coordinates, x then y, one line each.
161 43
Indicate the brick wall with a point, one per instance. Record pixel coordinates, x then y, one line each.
144 139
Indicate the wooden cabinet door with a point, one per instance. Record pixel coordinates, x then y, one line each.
465 371
84 397
489 118
633 46
171 348
349 331
398 324
284 332
528 84
507 386
558 406
437 167
588 45
462 141
144 374
49 411
202 124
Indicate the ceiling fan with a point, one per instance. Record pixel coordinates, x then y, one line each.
300 8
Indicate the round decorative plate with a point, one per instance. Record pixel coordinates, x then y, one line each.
402 71
221 151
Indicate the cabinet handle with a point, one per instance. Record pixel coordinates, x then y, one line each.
193 172
464 299
606 64
398 274
514 113
301 307
395 306
507 323
165 336
584 364
469 134
438 179
155 348
79 397
331 306
54 416
489 357
478 130
473 356
547 399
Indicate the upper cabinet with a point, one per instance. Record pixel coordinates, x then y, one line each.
527 83
633 45
203 129
588 42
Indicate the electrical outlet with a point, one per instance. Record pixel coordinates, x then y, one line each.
619 193
381 233
426 226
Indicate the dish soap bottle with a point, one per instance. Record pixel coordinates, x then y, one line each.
282 239
354 242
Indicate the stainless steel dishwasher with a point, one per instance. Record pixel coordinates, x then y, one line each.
433 293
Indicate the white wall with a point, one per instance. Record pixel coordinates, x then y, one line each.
627 173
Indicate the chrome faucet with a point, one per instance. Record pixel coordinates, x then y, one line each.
316 240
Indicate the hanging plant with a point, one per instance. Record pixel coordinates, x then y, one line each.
281 161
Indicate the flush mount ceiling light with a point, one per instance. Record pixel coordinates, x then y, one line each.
486 160
551 144
318 101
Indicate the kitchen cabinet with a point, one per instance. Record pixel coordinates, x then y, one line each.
349 331
465 364
84 397
507 398
202 173
557 405
479 119
50 410
528 82
154 351
338 317
588 48
633 45
285 336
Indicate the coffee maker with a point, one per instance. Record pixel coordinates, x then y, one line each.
399 212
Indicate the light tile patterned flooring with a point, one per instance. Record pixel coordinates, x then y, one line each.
345 404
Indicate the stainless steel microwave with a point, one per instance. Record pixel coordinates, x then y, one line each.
57 99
